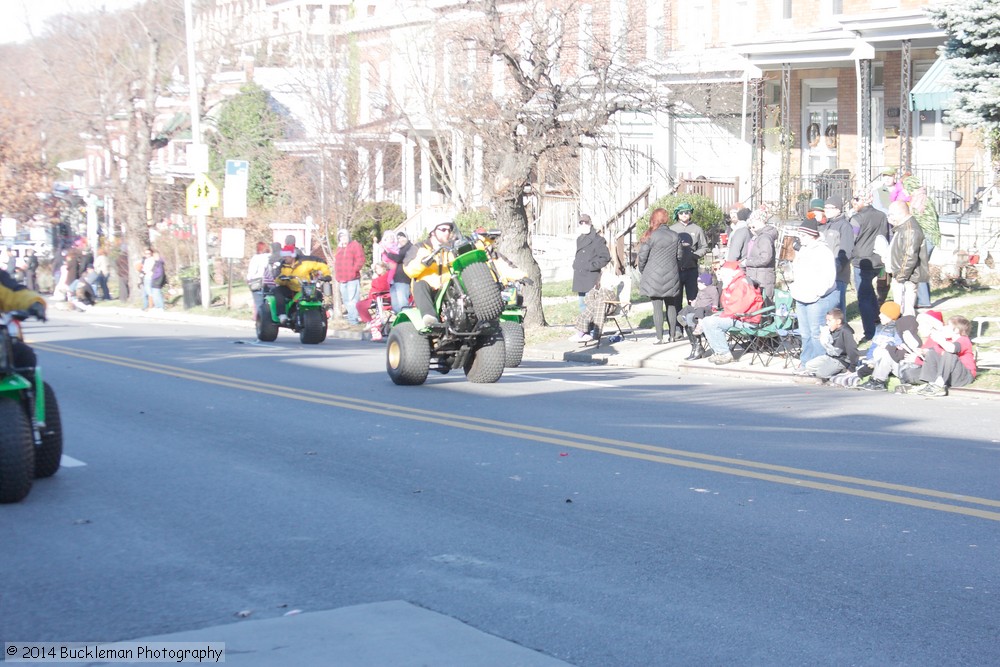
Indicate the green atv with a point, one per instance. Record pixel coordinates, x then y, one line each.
305 314
469 334
31 439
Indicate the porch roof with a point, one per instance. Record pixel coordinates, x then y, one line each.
826 48
886 30
934 89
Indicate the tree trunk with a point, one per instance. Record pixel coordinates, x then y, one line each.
515 243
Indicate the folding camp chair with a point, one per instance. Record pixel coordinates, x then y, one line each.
774 335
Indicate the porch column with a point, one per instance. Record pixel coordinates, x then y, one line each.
905 119
863 71
477 169
756 141
425 174
786 136
409 182
379 175
458 193
364 173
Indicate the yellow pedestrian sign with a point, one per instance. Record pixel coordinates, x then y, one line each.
202 196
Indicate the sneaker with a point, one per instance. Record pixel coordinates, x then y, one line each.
872 385
282 319
430 320
803 372
931 390
720 359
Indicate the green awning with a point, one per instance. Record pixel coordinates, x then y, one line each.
934 89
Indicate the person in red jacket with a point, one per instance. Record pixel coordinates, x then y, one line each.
739 297
347 263
379 287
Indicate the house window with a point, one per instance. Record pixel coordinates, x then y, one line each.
929 125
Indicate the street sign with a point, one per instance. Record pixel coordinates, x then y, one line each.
233 244
234 190
202 196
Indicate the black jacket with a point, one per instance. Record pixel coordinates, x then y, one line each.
871 223
760 259
659 262
591 256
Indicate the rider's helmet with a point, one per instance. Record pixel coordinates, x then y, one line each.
682 207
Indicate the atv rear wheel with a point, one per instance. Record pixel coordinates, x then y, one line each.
485 364
17 452
267 329
482 288
313 327
49 453
407 355
513 342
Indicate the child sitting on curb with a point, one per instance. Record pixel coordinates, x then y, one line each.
838 343
946 358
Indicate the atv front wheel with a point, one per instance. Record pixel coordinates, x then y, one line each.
513 342
482 288
267 329
17 452
485 365
407 355
49 453
313 327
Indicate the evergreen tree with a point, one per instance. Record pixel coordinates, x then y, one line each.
973 52
247 129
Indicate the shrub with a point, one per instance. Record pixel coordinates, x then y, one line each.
707 213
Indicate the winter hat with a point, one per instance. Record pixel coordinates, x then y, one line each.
743 214
836 201
760 216
584 219
809 227
288 251
342 233
936 314
682 207
889 171
890 309
705 278
817 204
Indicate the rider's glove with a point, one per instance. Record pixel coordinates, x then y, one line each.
527 281
37 310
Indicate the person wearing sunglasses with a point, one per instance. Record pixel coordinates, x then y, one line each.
429 268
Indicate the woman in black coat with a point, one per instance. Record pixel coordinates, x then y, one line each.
659 263
591 256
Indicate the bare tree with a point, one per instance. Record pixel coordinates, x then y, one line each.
541 81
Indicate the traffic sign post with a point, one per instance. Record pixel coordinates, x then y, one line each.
202 196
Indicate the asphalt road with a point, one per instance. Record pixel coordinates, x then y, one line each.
601 516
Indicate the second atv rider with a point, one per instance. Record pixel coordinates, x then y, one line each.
429 271
293 269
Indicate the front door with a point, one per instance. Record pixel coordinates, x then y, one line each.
819 131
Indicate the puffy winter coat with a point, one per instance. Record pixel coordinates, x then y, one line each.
659 263
591 256
908 253
760 258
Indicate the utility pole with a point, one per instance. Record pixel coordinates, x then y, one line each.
200 152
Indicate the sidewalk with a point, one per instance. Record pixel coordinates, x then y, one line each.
639 352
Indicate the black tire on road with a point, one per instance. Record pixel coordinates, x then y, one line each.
17 452
313 327
407 355
49 453
267 329
482 288
513 342
485 365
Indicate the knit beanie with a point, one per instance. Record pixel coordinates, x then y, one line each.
890 309
705 278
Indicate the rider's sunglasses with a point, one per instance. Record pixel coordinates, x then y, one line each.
443 228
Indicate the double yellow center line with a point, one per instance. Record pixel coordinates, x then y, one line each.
900 494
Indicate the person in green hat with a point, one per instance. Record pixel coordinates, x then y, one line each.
694 246
882 189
